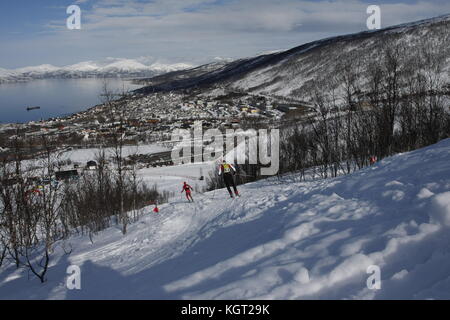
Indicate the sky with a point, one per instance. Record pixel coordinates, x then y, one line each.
193 31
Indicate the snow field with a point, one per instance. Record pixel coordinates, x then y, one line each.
280 240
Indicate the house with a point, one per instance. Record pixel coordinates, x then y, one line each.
66 175
91 165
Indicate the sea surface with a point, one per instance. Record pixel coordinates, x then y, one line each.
55 97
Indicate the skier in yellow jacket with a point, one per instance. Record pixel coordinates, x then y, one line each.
228 170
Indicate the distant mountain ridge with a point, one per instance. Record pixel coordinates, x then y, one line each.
111 67
290 72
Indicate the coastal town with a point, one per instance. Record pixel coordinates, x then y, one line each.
141 120
145 118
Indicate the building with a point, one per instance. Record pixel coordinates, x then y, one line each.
66 175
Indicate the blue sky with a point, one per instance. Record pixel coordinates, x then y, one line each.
34 32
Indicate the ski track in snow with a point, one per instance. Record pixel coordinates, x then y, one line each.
279 240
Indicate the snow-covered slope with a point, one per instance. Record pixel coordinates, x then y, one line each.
4 72
108 67
126 65
38 70
290 72
280 240
10 76
86 66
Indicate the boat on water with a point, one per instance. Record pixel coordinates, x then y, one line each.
33 108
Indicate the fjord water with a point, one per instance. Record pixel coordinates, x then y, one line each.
55 97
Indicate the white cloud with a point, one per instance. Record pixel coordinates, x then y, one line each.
202 29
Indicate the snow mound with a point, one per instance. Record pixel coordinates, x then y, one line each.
440 211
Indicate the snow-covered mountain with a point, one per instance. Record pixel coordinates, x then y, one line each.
283 239
111 67
5 72
288 73
37 70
